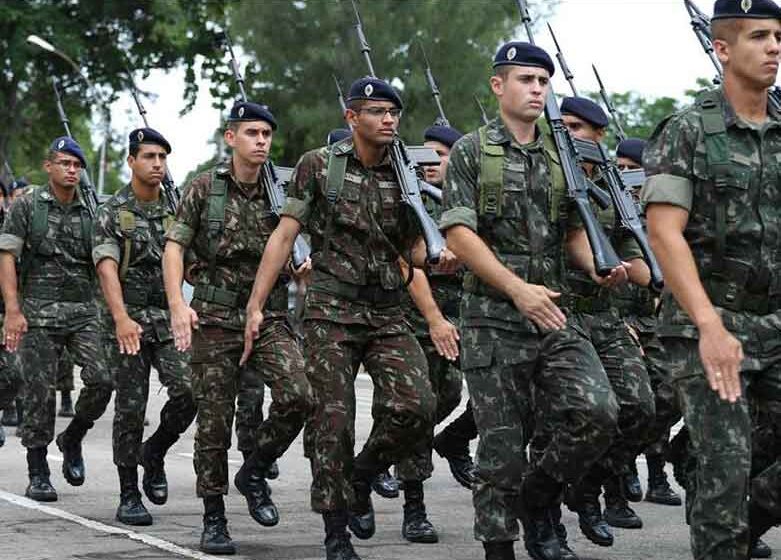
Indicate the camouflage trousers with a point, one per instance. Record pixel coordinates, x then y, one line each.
65 373
10 377
131 375
403 407
217 378
730 467
249 411
501 368
40 355
446 382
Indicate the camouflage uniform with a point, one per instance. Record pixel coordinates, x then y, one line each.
58 291
131 233
725 172
227 255
10 371
503 353
353 315
65 373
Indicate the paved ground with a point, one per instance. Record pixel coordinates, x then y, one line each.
81 524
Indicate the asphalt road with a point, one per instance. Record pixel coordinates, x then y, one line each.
81 524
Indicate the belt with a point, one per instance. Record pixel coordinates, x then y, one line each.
373 293
145 299
220 296
68 293
590 304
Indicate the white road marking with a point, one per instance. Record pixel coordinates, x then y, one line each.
103 528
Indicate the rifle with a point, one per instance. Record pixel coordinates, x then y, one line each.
88 196
625 206
701 26
405 169
620 134
432 84
272 182
563 64
578 185
482 110
171 190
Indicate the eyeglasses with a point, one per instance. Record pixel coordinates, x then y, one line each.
380 112
67 164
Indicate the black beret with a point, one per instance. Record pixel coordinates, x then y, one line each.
631 148
245 111
518 53
338 134
586 110
444 134
20 183
149 136
754 9
374 89
68 145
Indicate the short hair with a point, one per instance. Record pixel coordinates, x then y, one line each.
135 147
51 155
356 104
727 30
503 71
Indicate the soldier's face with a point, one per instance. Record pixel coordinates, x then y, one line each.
583 130
435 174
149 164
626 164
63 169
375 122
754 54
251 141
521 91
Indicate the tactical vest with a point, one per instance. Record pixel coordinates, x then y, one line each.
542 262
42 273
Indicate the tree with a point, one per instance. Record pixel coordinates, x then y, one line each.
105 37
298 46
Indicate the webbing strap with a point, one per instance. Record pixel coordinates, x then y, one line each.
127 224
337 168
38 228
218 196
491 175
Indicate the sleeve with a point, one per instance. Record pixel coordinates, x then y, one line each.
668 160
459 193
188 214
303 187
16 226
105 237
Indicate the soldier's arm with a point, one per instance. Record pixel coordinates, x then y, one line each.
12 241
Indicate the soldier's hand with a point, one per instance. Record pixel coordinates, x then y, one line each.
14 326
128 336
448 263
303 272
617 277
183 320
445 337
251 332
721 355
536 303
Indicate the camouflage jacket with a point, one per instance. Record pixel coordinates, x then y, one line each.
734 226
247 224
528 237
57 279
370 228
132 233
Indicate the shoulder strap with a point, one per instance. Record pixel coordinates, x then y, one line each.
218 195
718 156
38 228
557 181
337 168
491 175
127 225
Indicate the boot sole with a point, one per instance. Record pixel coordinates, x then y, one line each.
664 502
135 522
595 539
218 550
422 540
625 525
69 479
44 498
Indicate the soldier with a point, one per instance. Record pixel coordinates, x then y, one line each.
127 251
638 307
504 218
619 353
348 198
49 229
225 219
712 200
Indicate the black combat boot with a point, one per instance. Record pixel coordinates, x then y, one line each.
617 510
69 444
10 415
131 510
659 491
455 450
416 527
584 500
2 436
40 488
633 491
386 485
502 550
337 539
361 517
561 533
153 453
539 492
215 538
250 482
760 549
66 405
760 521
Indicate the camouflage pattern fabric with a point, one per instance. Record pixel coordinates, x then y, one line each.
146 305
744 288
503 353
249 411
10 376
65 373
